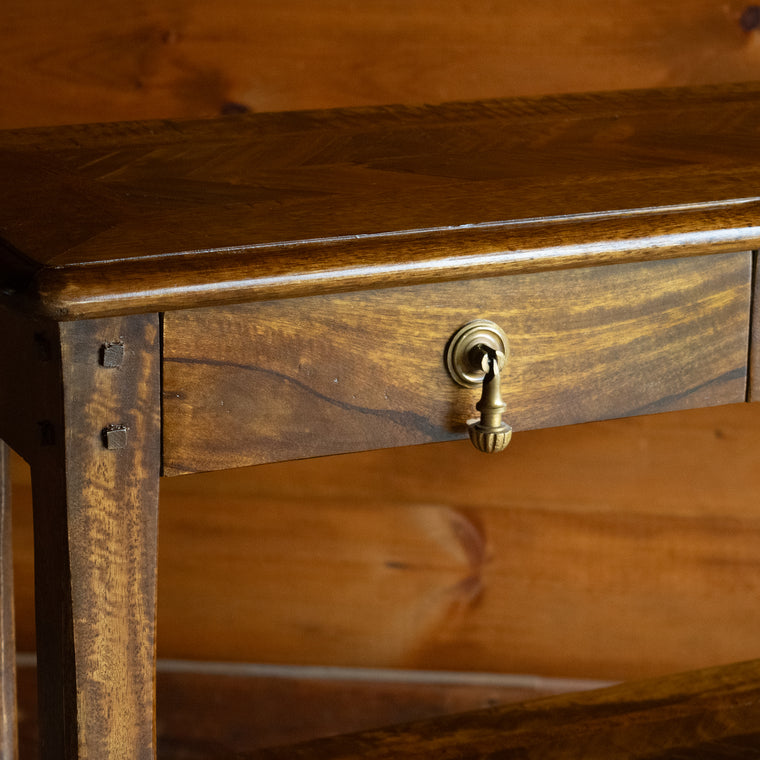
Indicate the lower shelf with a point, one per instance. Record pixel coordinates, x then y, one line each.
711 713
214 711
211 711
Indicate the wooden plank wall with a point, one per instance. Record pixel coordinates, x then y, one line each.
67 61
610 550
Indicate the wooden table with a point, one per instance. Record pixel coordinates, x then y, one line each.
180 297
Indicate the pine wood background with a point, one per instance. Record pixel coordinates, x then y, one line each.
609 550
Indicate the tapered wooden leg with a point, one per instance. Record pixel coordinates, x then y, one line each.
7 632
95 491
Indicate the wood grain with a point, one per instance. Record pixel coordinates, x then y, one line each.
636 539
610 550
26 385
152 217
95 513
179 58
252 712
712 713
8 730
753 385
304 377
212 711
61 64
669 655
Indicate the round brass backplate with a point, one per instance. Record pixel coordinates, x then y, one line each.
464 352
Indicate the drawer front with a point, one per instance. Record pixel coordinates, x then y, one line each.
273 381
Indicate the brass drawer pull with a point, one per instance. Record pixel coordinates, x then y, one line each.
475 356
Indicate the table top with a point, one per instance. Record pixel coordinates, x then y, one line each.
122 218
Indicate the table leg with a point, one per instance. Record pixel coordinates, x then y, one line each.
8 731
95 492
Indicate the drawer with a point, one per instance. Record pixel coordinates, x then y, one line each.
302 377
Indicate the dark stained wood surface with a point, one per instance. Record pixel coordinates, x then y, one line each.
708 714
95 513
753 386
7 629
303 377
63 62
376 560
145 57
210 711
25 390
154 216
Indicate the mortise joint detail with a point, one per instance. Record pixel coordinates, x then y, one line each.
115 437
112 354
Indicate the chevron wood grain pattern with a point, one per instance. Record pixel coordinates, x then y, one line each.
303 377
116 219
712 713
62 63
